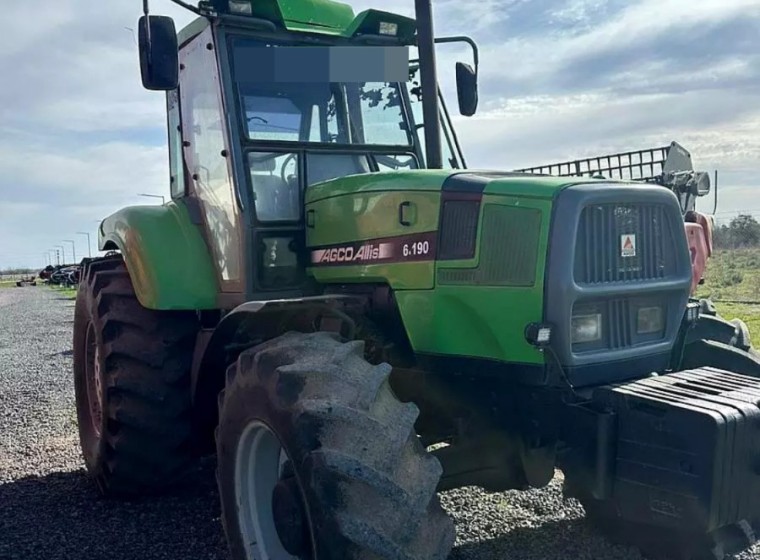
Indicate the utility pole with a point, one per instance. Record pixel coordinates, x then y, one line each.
61 254
73 250
89 247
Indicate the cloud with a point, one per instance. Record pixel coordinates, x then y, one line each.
560 79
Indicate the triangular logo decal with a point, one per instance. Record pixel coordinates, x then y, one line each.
628 245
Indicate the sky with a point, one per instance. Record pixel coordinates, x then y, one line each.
559 80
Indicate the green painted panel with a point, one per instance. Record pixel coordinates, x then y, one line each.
481 321
475 321
371 215
516 187
374 215
406 276
530 186
425 180
325 15
166 255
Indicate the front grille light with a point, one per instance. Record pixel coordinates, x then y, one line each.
649 320
586 328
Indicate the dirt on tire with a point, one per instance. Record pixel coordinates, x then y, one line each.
368 485
132 384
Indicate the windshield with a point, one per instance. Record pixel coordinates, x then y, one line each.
355 113
363 113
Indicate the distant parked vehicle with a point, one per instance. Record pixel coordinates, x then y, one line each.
26 281
61 275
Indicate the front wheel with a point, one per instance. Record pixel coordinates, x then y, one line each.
317 459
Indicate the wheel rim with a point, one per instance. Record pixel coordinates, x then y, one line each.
270 511
93 382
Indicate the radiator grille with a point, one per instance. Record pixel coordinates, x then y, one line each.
620 243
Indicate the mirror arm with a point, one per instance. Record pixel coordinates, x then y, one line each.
187 6
146 12
463 39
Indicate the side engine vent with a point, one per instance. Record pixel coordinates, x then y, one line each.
508 250
459 229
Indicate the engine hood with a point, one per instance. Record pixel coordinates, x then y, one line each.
476 181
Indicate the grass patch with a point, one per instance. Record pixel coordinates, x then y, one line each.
68 293
732 282
750 314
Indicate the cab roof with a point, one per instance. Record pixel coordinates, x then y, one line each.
326 17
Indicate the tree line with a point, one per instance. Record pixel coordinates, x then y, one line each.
743 231
17 271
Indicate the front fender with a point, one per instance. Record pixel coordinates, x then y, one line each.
166 256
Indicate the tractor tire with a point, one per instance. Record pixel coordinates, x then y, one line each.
132 385
710 353
318 459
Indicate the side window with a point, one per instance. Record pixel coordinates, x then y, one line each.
274 177
395 162
323 167
176 165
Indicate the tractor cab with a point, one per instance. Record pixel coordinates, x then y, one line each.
265 103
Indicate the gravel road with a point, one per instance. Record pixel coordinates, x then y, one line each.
49 511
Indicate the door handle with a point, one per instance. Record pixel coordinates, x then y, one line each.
311 217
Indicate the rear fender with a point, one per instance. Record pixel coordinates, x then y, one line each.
707 228
166 256
696 236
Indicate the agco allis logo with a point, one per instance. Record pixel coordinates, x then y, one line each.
369 252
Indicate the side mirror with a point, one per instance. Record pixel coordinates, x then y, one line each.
700 184
467 89
159 53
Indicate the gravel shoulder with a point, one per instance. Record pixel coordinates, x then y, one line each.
49 510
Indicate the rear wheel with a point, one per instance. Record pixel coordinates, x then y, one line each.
132 384
318 459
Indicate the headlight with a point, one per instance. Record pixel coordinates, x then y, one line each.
649 320
586 328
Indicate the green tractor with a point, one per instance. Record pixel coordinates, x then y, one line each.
352 321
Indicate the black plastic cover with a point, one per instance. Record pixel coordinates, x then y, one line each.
687 448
